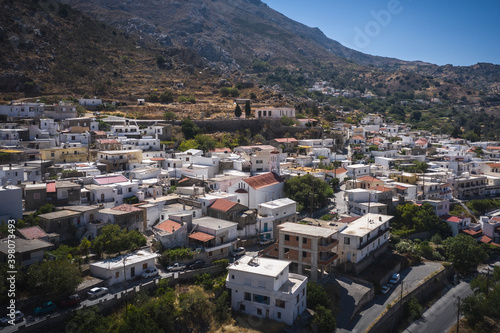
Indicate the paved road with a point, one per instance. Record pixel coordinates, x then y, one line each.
410 278
443 314
339 200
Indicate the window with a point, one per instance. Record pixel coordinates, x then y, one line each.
287 237
280 303
297 238
248 296
259 311
279 315
36 196
297 299
129 189
304 254
304 240
145 266
117 275
347 240
232 276
210 253
221 250
242 307
52 154
261 299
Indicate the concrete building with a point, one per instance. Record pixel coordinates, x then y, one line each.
362 238
271 112
274 213
27 252
308 247
265 288
468 186
11 203
122 268
65 155
255 190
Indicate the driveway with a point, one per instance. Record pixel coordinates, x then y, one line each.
410 278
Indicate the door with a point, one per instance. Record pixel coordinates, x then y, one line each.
102 197
132 272
265 227
267 314
348 256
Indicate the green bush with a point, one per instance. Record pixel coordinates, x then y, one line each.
221 262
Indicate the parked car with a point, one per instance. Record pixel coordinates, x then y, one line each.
73 300
97 292
266 241
18 316
197 264
150 272
239 252
45 308
394 279
385 289
176 267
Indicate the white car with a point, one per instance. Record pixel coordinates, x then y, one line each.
97 292
18 316
239 252
150 272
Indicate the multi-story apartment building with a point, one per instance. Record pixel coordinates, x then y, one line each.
265 288
362 238
468 186
65 155
307 247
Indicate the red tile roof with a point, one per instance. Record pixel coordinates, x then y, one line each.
169 226
493 165
127 208
263 180
357 137
450 218
382 189
223 205
368 179
51 187
401 188
285 140
348 219
493 148
100 133
110 180
339 171
241 190
157 159
485 239
32 232
201 236
472 232
495 218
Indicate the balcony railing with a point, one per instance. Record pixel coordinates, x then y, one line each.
328 260
326 248
380 233
117 160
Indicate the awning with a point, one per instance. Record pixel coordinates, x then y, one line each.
201 236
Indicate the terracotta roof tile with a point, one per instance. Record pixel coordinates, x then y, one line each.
223 205
451 218
285 140
169 226
368 179
382 189
263 180
472 232
32 232
485 239
201 236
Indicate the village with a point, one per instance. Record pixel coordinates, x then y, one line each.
73 181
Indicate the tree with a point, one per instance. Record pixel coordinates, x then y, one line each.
464 252
167 96
325 320
160 60
53 278
248 110
188 144
189 128
205 142
302 190
410 218
237 111
169 116
85 246
113 240
287 121
317 296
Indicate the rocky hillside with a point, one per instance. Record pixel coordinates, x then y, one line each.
50 48
240 33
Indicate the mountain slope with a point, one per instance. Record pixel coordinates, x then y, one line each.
234 33
49 48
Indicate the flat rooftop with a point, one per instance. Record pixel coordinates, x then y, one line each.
260 266
277 203
213 223
304 229
130 259
365 224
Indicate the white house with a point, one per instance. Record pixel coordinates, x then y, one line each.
11 206
271 112
255 190
363 236
357 170
126 267
265 288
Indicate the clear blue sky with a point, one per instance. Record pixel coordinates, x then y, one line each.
442 32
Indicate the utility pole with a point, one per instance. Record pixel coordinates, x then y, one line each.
488 282
312 197
458 314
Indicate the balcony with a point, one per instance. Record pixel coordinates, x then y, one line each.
117 161
328 260
370 241
326 248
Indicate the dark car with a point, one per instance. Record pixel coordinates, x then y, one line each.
73 300
45 308
197 264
